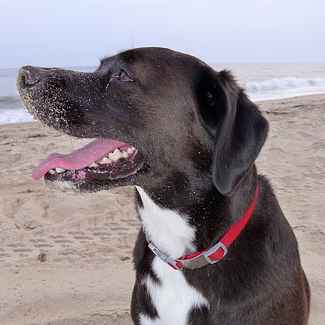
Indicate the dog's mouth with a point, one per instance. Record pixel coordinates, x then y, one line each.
100 160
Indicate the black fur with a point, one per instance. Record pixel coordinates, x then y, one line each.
200 136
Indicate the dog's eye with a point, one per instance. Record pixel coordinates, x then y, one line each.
121 75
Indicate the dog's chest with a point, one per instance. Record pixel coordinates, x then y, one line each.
173 297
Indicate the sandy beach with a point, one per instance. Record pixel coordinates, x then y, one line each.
66 258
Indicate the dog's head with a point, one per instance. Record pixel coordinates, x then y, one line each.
178 126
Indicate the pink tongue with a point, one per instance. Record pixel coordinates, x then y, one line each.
79 158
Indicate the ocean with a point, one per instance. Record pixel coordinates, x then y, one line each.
261 81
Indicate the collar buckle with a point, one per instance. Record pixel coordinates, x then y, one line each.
212 255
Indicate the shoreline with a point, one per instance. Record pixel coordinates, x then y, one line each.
85 275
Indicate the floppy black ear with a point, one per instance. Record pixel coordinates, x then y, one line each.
238 128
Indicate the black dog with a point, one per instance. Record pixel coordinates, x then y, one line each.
188 137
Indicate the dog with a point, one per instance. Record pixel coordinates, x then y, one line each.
214 246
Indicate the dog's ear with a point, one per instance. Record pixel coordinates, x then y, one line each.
236 125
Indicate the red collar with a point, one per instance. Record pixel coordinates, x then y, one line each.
214 253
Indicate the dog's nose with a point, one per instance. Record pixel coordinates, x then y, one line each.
28 76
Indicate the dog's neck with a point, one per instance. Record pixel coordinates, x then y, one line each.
180 231
167 229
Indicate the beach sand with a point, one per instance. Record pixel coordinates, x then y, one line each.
66 258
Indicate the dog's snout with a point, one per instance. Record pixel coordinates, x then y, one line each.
28 76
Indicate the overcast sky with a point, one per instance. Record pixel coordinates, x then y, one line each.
79 32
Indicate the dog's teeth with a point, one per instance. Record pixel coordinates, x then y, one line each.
104 160
60 170
52 171
116 155
93 165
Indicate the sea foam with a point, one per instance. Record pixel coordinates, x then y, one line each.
284 87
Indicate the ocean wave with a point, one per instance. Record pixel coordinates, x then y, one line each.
14 116
12 110
285 87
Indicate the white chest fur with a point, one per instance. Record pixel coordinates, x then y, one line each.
173 297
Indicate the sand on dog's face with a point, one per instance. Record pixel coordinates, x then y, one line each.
74 103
